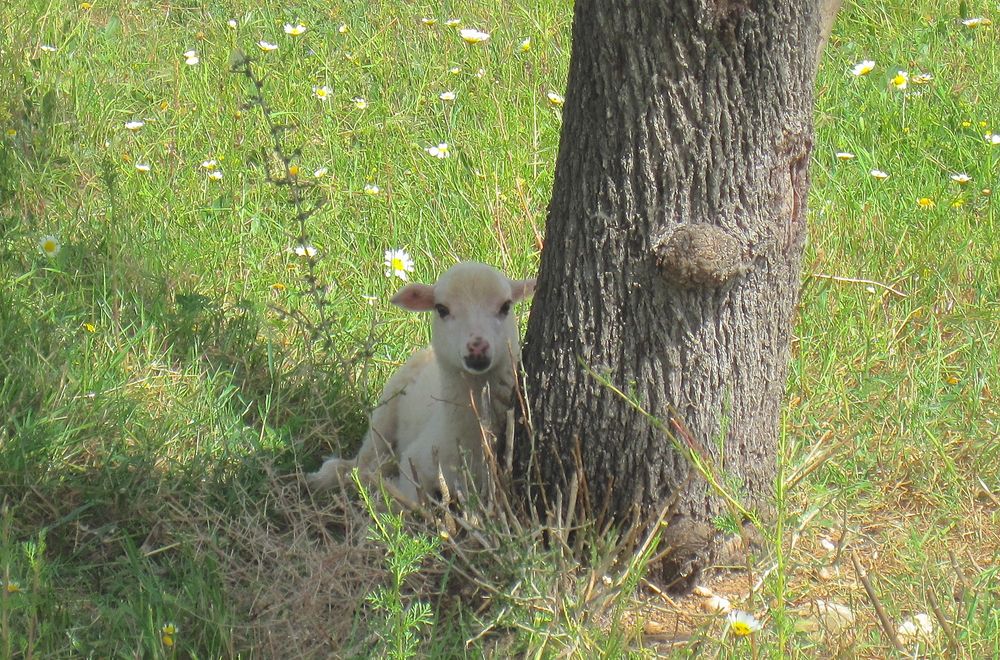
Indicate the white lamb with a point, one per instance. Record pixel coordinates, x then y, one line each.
430 414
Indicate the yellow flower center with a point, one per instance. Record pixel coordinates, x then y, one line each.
397 263
741 629
49 246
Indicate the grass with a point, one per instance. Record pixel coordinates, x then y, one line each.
159 395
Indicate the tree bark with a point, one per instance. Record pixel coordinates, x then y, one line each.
671 260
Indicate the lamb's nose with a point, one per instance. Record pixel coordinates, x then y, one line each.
477 355
478 346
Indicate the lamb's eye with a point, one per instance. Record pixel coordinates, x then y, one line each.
442 310
505 308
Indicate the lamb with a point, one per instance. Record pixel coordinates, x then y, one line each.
432 413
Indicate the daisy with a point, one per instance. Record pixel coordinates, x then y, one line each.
215 175
134 125
555 99
360 102
322 93
398 263
992 138
447 96
474 36
295 30
372 189
232 23
428 21
49 245
900 80
453 22
440 151
525 45
11 587
305 250
143 167
973 23
209 164
343 29
863 68
879 174
320 173
47 49
922 78
168 634
961 178
266 46
742 624
455 70
845 155
191 58
917 627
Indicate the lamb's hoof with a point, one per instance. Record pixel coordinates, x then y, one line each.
330 475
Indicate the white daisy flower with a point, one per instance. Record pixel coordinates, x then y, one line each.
525 45
343 29
143 167
974 23
961 178
453 22
45 48
455 70
900 80
472 36
429 21
322 92
398 263
440 151
360 102
372 189
742 624
320 173
266 46
215 175
447 96
555 99
992 138
304 250
915 628
845 155
863 68
209 164
232 23
134 125
191 58
879 174
49 245
295 30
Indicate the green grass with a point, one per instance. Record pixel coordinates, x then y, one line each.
156 399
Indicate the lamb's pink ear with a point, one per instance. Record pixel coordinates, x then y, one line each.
415 297
521 289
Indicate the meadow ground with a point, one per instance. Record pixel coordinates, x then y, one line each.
178 339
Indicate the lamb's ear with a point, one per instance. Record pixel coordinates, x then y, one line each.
521 289
415 297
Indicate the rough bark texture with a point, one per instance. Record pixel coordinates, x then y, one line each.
671 259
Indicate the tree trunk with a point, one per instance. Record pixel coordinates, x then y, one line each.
671 260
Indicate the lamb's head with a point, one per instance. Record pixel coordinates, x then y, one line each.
474 327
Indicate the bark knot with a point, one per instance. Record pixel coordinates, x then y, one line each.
699 255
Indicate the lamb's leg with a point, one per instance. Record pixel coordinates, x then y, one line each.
375 454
